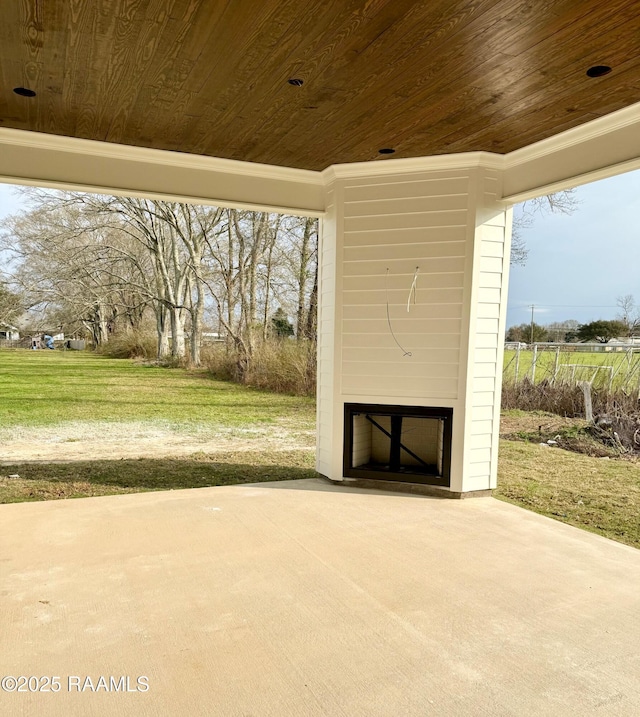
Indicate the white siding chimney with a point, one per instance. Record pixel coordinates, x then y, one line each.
380 229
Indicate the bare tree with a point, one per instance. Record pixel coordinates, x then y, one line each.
236 250
629 313
102 262
60 264
11 306
174 237
564 202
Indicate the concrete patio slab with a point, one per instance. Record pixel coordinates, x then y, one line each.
302 599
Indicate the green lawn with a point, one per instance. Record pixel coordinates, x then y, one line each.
49 387
82 479
625 367
598 494
66 392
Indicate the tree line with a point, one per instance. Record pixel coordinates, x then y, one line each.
103 265
625 325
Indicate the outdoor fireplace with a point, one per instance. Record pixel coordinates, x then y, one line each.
411 444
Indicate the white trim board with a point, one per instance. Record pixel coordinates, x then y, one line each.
598 149
602 148
410 165
70 163
206 201
575 181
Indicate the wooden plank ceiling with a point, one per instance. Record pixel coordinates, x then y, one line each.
211 76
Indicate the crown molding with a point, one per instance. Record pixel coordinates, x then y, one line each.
598 149
410 165
570 138
595 150
48 160
575 181
144 155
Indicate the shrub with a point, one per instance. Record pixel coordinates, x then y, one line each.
220 361
131 345
616 413
562 399
282 366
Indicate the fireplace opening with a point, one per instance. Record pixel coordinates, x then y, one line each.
411 444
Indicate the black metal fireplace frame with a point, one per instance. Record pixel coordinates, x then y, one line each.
405 474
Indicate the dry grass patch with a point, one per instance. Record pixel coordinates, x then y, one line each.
598 494
515 423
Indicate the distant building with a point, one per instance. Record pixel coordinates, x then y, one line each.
209 337
9 333
623 344
513 345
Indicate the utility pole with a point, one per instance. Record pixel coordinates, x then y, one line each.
532 310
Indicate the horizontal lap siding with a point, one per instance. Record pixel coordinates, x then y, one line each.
408 235
421 251
489 281
418 341
452 280
326 341
401 388
419 221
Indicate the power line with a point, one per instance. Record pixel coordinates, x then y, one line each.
569 306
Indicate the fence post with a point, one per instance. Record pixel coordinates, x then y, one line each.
628 381
517 368
588 406
555 367
533 364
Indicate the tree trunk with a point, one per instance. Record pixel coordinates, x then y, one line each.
306 252
178 346
311 326
162 328
101 326
196 325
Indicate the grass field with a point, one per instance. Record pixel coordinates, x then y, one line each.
598 494
41 388
53 398
620 366
82 479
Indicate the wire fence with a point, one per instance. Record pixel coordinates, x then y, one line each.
613 367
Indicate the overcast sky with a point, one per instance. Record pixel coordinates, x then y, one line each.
8 203
578 265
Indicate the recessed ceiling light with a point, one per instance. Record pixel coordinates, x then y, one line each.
296 82
24 92
598 70
386 150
